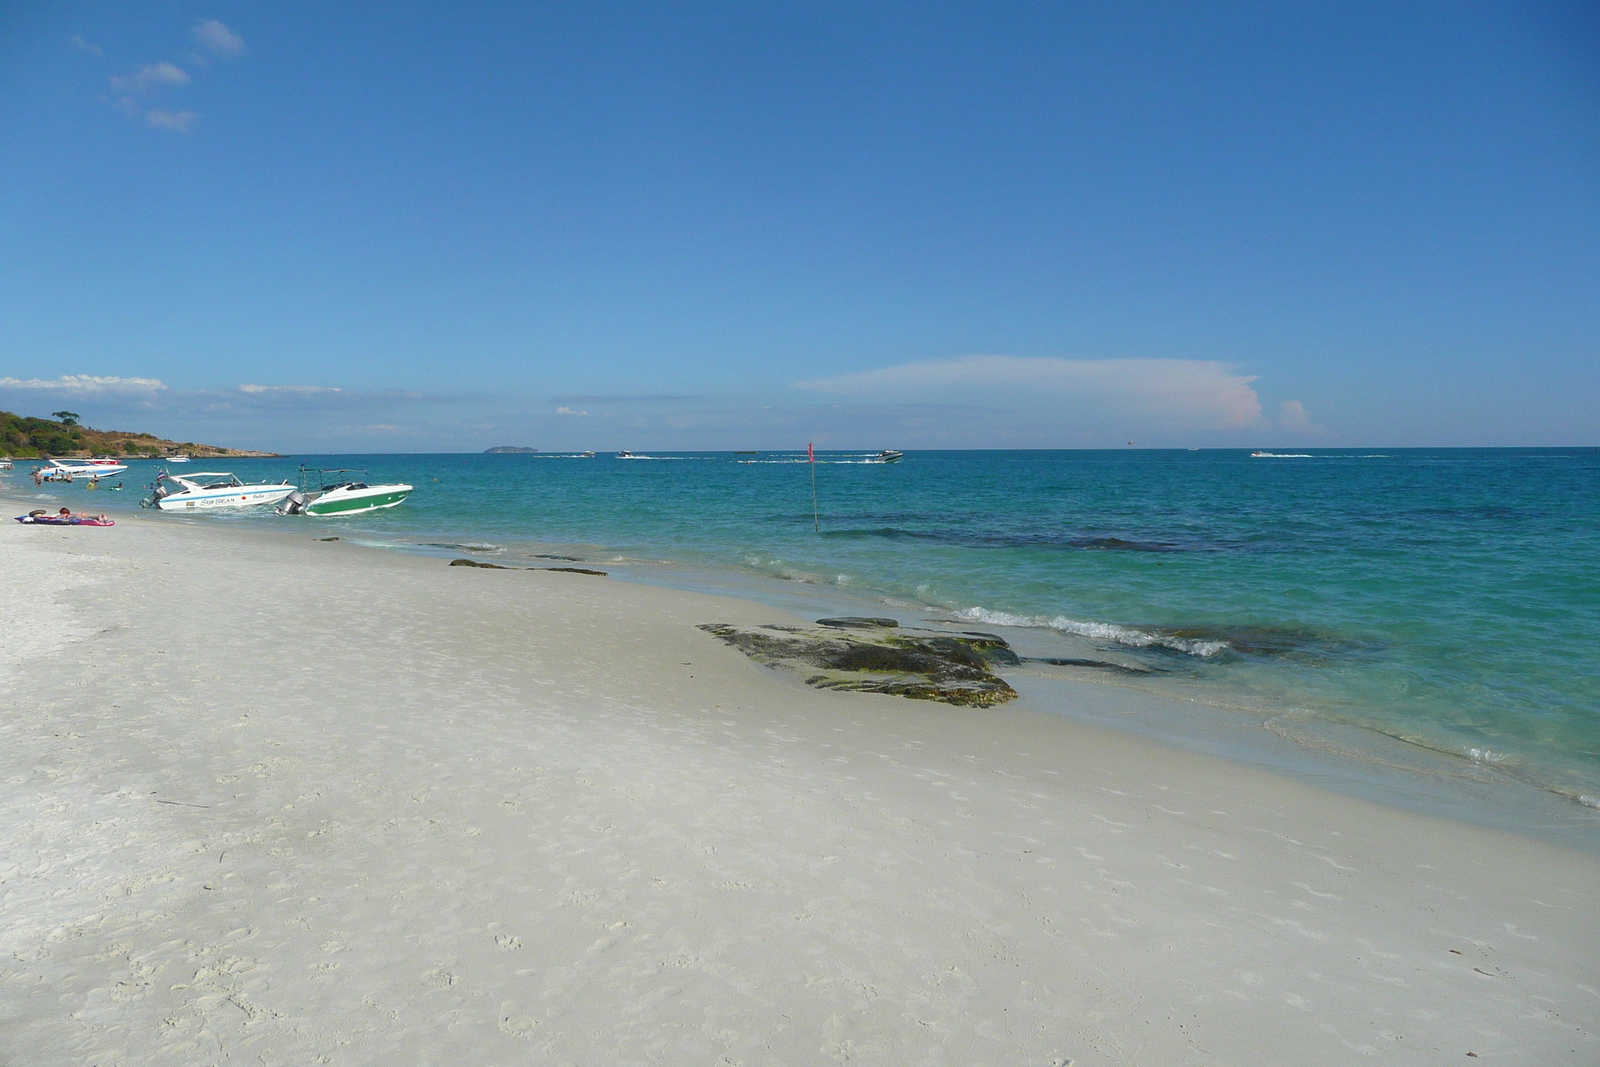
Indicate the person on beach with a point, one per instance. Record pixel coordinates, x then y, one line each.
66 515
38 476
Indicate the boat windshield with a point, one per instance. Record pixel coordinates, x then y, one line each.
208 480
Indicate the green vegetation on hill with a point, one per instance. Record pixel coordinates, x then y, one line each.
23 437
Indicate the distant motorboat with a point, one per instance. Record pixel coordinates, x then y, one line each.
211 489
60 471
626 455
585 455
888 455
179 458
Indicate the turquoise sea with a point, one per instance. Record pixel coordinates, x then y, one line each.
1435 608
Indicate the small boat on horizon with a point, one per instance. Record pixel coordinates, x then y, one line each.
179 458
211 489
340 496
888 455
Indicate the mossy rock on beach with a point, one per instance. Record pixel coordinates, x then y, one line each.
952 669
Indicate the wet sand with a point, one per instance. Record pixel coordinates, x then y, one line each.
277 800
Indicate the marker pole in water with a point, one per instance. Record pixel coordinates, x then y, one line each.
811 457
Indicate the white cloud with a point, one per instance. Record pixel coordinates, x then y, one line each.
1292 415
217 39
299 389
151 76
170 120
569 411
1198 393
86 46
86 383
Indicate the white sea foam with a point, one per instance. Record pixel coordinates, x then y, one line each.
1588 801
1484 755
1100 631
1282 455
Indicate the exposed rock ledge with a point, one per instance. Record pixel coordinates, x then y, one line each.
878 657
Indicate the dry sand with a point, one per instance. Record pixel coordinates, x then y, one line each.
271 800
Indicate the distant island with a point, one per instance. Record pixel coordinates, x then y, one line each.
508 448
23 437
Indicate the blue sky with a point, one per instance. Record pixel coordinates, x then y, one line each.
420 227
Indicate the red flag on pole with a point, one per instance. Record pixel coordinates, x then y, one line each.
811 457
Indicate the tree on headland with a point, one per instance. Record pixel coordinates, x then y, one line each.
68 418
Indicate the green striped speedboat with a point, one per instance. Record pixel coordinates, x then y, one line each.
340 497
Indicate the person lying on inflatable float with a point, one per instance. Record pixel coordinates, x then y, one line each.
64 517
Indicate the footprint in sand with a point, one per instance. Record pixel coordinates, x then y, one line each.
514 1023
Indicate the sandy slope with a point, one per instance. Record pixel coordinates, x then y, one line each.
269 800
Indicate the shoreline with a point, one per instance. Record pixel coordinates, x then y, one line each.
1357 761
267 796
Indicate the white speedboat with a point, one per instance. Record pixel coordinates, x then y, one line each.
888 455
212 489
329 494
59 470
179 458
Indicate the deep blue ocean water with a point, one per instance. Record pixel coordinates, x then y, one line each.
1372 600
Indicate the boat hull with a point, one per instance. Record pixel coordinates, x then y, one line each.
85 470
252 496
354 503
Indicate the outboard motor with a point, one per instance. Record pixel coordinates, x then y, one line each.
293 504
157 491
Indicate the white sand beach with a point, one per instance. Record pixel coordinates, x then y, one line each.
273 800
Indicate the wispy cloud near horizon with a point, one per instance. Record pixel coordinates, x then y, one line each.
304 390
86 383
1194 393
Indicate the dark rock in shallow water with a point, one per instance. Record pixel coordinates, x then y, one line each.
857 622
950 669
1097 664
575 570
476 563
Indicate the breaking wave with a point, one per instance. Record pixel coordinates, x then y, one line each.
1100 631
